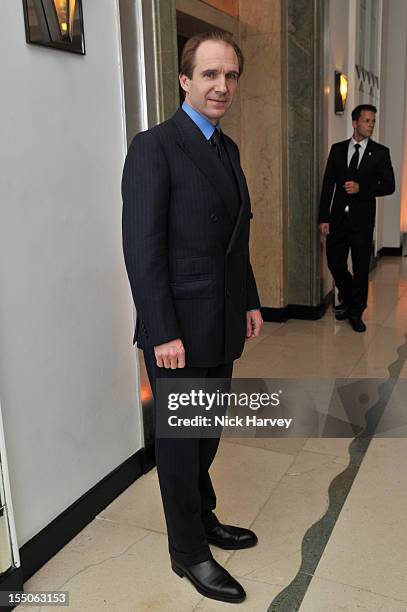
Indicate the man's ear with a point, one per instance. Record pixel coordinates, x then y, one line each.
184 82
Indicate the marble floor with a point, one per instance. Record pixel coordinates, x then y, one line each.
278 487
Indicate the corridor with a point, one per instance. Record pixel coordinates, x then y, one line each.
279 488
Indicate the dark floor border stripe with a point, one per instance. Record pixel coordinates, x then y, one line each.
11 580
45 544
317 536
297 311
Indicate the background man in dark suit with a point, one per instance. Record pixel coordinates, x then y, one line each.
186 212
357 171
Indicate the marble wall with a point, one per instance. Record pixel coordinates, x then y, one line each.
165 42
227 6
304 128
263 141
273 121
281 145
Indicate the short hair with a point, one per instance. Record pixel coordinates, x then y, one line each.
362 107
187 63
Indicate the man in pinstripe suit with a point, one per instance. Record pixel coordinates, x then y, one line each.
186 212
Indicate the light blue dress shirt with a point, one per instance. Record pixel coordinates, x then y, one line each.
206 127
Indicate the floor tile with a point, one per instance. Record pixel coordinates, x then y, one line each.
380 354
258 598
98 541
243 478
288 446
337 447
140 505
324 595
139 579
296 503
367 547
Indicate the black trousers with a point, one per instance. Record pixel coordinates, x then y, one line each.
341 239
183 472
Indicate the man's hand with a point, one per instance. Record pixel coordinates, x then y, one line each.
170 354
254 321
351 187
324 228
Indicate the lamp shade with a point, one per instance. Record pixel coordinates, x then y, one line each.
341 92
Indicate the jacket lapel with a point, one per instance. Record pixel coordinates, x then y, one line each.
367 155
195 145
344 154
244 209
234 158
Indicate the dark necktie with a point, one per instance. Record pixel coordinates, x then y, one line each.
216 142
353 166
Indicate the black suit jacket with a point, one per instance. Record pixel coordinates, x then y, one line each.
186 252
374 175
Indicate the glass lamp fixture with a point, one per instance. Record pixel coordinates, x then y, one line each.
341 92
65 11
55 23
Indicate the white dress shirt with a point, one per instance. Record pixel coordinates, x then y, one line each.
351 150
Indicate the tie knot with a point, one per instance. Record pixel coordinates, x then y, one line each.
215 138
357 147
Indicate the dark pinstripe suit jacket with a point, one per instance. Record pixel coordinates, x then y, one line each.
186 252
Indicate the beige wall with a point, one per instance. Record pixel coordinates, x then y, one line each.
227 6
262 149
254 122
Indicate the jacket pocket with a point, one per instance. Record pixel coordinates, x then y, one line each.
192 268
190 289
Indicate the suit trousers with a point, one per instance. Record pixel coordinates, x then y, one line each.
341 239
183 473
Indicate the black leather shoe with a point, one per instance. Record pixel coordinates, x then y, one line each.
341 315
357 324
341 311
211 580
231 538
340 308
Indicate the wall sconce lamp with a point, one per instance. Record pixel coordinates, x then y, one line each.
65 12
55 23
341 92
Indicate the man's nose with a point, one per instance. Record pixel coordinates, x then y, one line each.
220 84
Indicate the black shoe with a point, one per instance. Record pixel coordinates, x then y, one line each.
357 323
211 580
341 311
229 537
340 306
341 316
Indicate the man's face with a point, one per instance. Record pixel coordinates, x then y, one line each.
213 85
364 126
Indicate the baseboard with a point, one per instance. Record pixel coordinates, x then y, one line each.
297 311
11 580
45 544
390 252
274 315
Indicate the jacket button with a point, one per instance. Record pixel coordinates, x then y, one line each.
227 293
214 218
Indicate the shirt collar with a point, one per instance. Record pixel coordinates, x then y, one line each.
206 127
363 143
